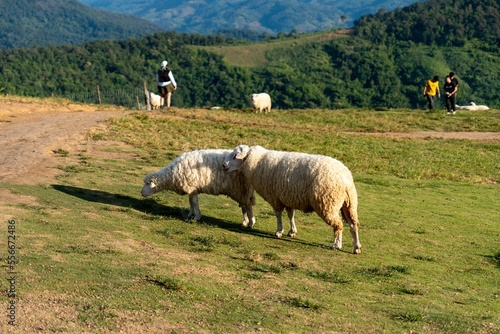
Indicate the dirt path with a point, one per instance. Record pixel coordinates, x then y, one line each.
31 132
436 134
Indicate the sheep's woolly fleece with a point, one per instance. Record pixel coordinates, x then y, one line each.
201 172
299 181
297 166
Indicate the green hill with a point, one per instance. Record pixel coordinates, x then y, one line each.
254 55
28 23
437 22
329 69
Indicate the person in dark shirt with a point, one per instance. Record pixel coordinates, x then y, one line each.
166 83
453 79
450 90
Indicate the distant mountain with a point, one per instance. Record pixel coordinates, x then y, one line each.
263 16
29 23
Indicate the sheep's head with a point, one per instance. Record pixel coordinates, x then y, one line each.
150 185
235 159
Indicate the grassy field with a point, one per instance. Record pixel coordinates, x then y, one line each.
96 257
254 55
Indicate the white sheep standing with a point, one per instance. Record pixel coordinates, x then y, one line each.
290 180
155 100
472 106
201 172
261 102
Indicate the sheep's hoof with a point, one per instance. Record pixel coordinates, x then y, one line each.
292 234
357 250
193 218
278 234
247 225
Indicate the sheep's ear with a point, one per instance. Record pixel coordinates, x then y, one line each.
153 182
242 152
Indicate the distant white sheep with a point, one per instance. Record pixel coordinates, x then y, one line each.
155 100
289 180
261 102
201 172
472 106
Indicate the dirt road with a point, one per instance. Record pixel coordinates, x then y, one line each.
31 134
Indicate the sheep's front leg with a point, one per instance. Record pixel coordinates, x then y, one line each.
194 212
293 229
248 217
279 223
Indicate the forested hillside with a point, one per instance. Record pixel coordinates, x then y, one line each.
445 23
298 70
30 23
262 16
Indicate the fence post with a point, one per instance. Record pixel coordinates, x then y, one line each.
138 103
147 96
99 95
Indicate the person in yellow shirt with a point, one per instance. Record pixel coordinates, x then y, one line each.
431 88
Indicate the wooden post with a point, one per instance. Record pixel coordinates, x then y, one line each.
99 95
138 103
147 99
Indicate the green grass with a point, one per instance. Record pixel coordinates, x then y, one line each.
109 260
323 132
254 55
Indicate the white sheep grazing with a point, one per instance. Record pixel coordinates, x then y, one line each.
472 106
201 172
290 180
156 101
479 107
261 102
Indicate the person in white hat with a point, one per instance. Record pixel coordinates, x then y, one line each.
166 83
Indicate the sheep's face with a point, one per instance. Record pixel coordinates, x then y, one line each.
235 159
150 186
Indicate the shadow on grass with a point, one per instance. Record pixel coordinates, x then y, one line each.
150 206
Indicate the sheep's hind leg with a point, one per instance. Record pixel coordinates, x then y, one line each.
194 212
337 225
293 229
352 219
333 219
355 238
279 224
337 237
248 217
